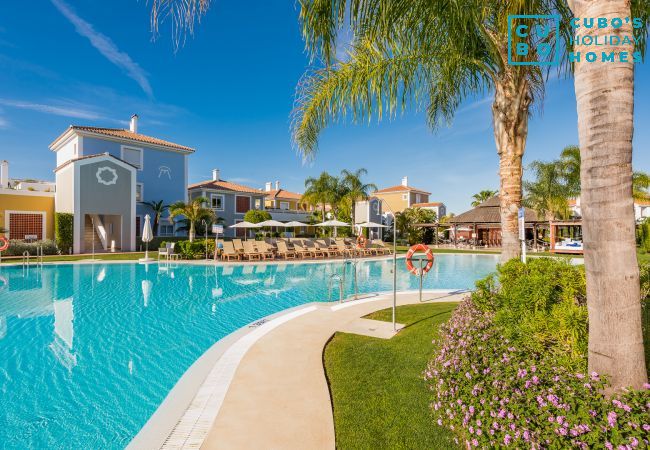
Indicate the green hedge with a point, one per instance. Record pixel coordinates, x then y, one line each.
192 250
17 247
63 231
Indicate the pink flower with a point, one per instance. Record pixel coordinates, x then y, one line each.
507 439
475 442
611 418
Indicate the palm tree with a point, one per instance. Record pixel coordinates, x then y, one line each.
570 161
355 189
605 106
548 194
436 52
482 196
321 191
640 185
158 209
193 211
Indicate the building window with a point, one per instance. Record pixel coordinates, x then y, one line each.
165 230
132 156
405 196
242 204
216 202
258 203
139 192
26 226
240 232
284 205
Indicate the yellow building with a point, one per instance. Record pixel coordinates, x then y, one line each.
27 215
402 196
26 207
282 199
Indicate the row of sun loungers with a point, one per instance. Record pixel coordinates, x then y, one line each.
299 248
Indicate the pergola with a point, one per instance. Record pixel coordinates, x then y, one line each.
485 222
573 228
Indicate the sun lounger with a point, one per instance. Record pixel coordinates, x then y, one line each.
311 246
239 247
284 252
265 249
301 250
250 252
323 247
228 252
382 245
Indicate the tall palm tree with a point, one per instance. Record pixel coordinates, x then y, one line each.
193 211
158 209
549 193
321 191
482 196
356 189
411 53
640 185
605 105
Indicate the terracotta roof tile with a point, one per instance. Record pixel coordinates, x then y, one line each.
222 185
400 188
126 134
283 194
70 161
425 205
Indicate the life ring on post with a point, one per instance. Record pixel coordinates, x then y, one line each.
361 241
409 259
4 243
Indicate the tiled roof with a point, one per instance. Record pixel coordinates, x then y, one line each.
70 161
489 212
222 185
425 205
126 134
400 188
644 202
283 194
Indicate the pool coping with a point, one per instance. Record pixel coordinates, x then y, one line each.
185 416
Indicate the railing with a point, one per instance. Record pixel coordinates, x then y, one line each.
335 277
354 263
25 259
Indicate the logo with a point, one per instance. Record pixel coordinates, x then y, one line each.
533 40
106 176
164 170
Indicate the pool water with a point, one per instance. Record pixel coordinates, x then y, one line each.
88 352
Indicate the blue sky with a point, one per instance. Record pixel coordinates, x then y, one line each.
228 92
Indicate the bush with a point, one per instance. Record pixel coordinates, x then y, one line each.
193 250
494 393
16 247
63 231
257 216
540 305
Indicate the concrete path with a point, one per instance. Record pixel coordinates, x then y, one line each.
278 397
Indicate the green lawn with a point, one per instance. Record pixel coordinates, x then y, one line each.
379 397
102 256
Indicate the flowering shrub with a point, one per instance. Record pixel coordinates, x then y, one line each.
493 391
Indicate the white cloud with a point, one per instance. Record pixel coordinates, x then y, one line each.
105 46
3 123
58 110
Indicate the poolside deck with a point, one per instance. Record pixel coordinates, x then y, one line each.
277 396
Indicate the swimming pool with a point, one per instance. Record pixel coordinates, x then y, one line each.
89 351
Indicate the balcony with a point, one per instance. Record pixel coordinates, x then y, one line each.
288 215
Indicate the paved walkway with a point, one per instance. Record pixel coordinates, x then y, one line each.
278 397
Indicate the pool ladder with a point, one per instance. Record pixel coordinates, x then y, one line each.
39 257
335 277
340 279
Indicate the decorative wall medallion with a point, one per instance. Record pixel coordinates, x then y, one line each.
106 175
164 170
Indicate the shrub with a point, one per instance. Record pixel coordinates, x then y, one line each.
193 250
494 393
63 231
16 247
257 216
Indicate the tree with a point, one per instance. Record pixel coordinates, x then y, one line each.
405 54
482 196
406 221
605 106
355 189
549 193
194 211
257 216
321 191
570 162
158 209
640 185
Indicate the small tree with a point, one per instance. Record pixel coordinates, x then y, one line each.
257 216
63 227
194 211
158 209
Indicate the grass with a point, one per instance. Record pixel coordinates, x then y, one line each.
379 396
102 256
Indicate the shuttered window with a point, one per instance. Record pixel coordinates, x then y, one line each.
242 204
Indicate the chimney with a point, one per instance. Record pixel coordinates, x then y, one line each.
405 181
4 174
267 186
215 175
133 126
277 185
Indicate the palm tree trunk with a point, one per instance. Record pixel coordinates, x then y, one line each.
192 231
510 116
605 103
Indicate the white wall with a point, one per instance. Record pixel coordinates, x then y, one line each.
67 151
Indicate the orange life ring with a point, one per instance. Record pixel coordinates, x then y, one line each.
409 259
4 244
361 241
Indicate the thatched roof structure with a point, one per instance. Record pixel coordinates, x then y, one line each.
488 212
